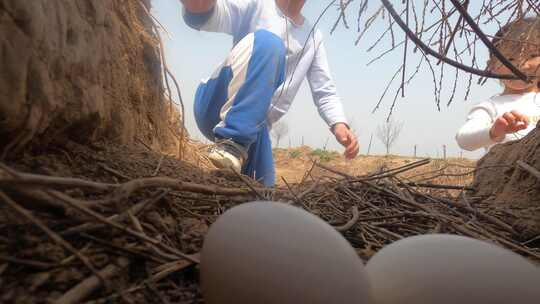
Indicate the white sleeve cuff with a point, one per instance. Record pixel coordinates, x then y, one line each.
473 139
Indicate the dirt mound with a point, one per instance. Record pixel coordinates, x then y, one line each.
503 179
83 69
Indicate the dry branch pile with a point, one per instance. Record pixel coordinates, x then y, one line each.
126 225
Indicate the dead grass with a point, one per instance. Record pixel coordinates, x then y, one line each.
292 164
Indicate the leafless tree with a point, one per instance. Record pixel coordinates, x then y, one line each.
443 38
388 133
280 130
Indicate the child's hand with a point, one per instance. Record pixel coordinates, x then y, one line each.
509 122
346 138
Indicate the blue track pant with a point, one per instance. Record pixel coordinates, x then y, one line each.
234 102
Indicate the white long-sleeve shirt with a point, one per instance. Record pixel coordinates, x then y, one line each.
474 134
241 17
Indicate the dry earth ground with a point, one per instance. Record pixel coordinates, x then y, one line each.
292 165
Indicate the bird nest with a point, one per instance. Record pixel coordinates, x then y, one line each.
109 223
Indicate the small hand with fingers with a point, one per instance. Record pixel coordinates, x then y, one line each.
346 138
508 123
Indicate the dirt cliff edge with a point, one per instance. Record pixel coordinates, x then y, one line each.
83 70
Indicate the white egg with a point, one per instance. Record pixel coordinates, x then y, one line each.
449 269
270 253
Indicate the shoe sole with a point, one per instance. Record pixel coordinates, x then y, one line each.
223 163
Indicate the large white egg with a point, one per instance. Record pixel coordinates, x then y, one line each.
272 253
449 269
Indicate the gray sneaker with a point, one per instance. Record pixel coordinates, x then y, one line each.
227 154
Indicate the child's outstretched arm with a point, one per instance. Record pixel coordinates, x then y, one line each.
475 133
483 128
222 16
328 102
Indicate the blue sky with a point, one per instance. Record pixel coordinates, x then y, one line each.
193 55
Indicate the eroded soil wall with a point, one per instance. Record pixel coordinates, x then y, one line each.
80 69
505 184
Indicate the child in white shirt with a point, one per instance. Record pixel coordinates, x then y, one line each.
274 49
514 113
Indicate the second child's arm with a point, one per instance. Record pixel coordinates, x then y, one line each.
475 133
484 129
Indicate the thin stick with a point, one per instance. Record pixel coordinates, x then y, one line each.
125 190
463 12
35 264
51 234
420 44
90 284
351 222
247 183
122 190
114 172
529 168
436 186
29 179
75 204
158 165
135 209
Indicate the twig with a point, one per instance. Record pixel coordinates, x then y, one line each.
145 145
534 239
247 183
342 174
463 12
167 269
82 290
156 171
114 172
75 204
296 198
29 179
436 186
529 168
125 190
122 190
135 209
435 54
137 224
35 264
309 190
51 234
351 222
126 249
150 286
395 171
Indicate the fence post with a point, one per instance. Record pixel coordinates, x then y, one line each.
326 143
444 151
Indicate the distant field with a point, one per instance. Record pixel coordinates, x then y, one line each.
292 165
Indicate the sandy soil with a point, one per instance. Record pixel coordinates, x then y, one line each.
292 165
